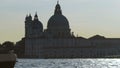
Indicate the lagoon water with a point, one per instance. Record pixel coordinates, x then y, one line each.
68 63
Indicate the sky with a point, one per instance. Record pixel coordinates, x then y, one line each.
86 17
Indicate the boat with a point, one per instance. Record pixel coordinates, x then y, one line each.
7 59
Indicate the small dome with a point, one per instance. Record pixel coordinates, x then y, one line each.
58 21
37 25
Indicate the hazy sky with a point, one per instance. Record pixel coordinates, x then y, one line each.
86 17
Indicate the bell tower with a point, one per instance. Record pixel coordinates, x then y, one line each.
28 23
33 28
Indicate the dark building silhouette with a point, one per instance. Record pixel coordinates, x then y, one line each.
58 25
57 41
33 28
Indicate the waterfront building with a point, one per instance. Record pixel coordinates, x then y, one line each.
57 41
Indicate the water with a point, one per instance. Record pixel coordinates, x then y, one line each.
68 63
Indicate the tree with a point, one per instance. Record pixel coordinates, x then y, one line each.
20 48
8 45
0 45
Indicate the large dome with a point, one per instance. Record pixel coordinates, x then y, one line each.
58 25
57 22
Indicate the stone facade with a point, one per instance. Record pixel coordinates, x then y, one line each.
57 41
71 48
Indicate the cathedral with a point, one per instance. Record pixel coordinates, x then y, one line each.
57 26
57 41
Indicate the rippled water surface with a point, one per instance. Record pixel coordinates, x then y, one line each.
68 63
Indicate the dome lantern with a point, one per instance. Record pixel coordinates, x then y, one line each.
36 16
58 9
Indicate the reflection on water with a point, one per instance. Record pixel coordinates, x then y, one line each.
68 63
